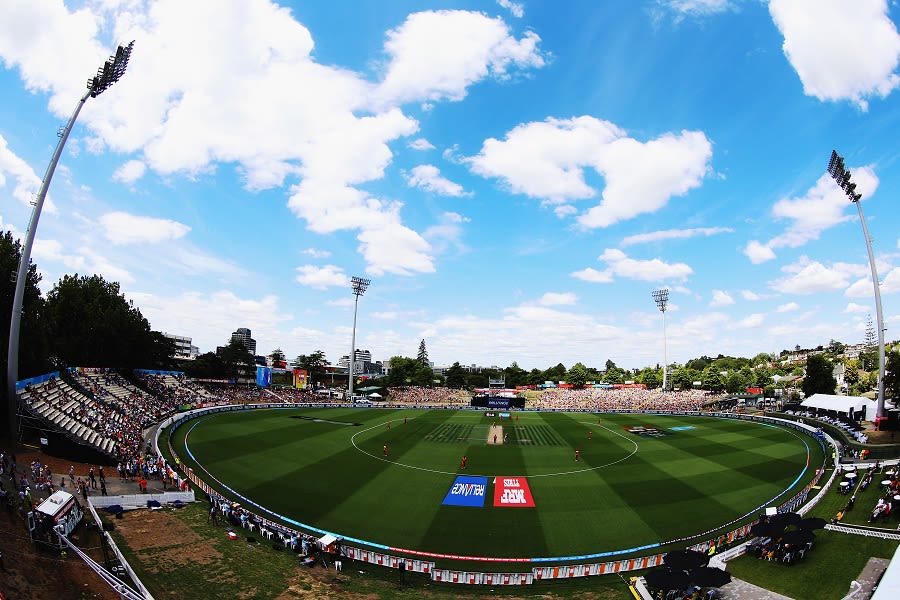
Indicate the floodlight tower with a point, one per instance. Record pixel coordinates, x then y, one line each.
661 297
842 177
359 287
111 71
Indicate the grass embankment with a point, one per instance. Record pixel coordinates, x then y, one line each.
835 560
177 554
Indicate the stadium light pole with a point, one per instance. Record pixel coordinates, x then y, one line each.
842 177
359 287
108 74
661 297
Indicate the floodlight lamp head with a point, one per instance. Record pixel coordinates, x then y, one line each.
359 285
111 71
661 297
835 165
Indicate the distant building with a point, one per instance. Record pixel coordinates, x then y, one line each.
183 348
244 336
362 364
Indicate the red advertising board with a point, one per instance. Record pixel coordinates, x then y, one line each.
512 492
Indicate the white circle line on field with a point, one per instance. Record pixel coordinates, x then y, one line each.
438 471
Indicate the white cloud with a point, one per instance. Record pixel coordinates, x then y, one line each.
130 172
558 299
861 288
593 275
437 55
516 9
841 50
82 260
213 316
788 307
327 127
854 308
564 210
758 253
673 234
644 270
823 206
420 144
750 321
546 160
316 253
429 178
389 315
696 7
125 228
750 295
721 298
341 302
811 277
27 183
890 284
321 278
447 233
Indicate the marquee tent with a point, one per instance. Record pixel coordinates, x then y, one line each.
850 406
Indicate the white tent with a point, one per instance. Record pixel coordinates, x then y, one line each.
374 395
841 404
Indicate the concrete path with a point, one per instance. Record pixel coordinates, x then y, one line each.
739 589
870 576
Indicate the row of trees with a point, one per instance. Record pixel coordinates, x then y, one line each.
83 320
86 320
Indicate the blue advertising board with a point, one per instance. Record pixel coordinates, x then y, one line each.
467 491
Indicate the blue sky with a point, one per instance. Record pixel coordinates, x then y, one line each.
516 178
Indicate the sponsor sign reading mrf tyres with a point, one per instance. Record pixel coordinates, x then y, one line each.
467 491
512 492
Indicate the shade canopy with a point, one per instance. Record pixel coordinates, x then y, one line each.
841 404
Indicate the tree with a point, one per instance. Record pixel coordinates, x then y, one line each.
555 373
92 324
237 361
761 359
650 377
455 376
277 356
577 375
870 339
409 371
314 364
892 377
205 366
712 379
819 378
868 360
851 372
762 376
698 364
683 378
515 375
422 357
835 348
33 346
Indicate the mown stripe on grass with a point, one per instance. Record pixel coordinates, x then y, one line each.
487 531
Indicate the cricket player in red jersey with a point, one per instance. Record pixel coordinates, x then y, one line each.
590 434
385 449
576 454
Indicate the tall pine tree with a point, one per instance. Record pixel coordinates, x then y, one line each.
422 356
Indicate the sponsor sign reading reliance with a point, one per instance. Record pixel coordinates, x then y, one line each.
467 491
513 492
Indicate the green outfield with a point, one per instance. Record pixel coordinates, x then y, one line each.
326 468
